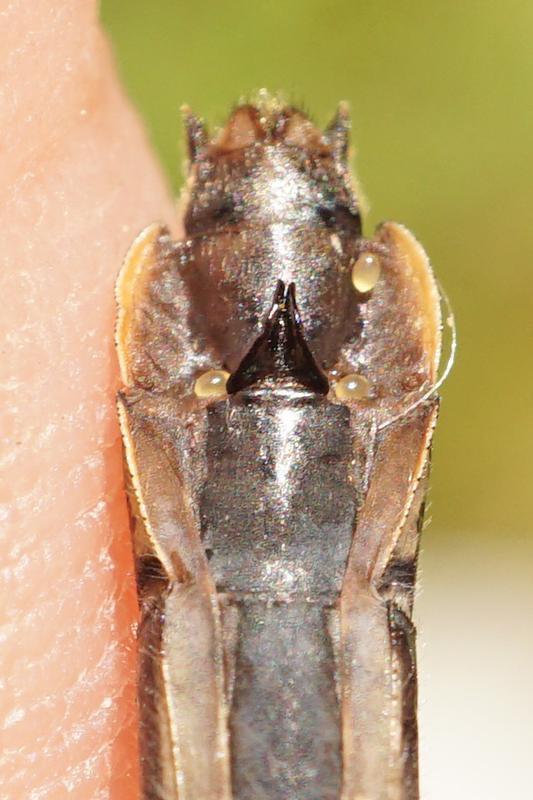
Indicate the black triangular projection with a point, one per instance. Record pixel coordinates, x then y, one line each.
280 353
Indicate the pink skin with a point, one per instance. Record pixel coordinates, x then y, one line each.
78 183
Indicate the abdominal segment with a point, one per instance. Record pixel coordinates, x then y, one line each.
284 721
278 515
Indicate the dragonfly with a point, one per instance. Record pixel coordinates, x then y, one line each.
280 377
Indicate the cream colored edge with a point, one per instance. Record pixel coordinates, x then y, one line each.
129 455
133 266
417 260
384 556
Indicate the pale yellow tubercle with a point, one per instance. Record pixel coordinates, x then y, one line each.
211 384
365 272
352 387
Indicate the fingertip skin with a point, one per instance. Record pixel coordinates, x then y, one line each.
78 183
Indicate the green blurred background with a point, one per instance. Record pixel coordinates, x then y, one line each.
441 96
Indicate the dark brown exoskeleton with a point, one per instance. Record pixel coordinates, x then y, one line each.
277 414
